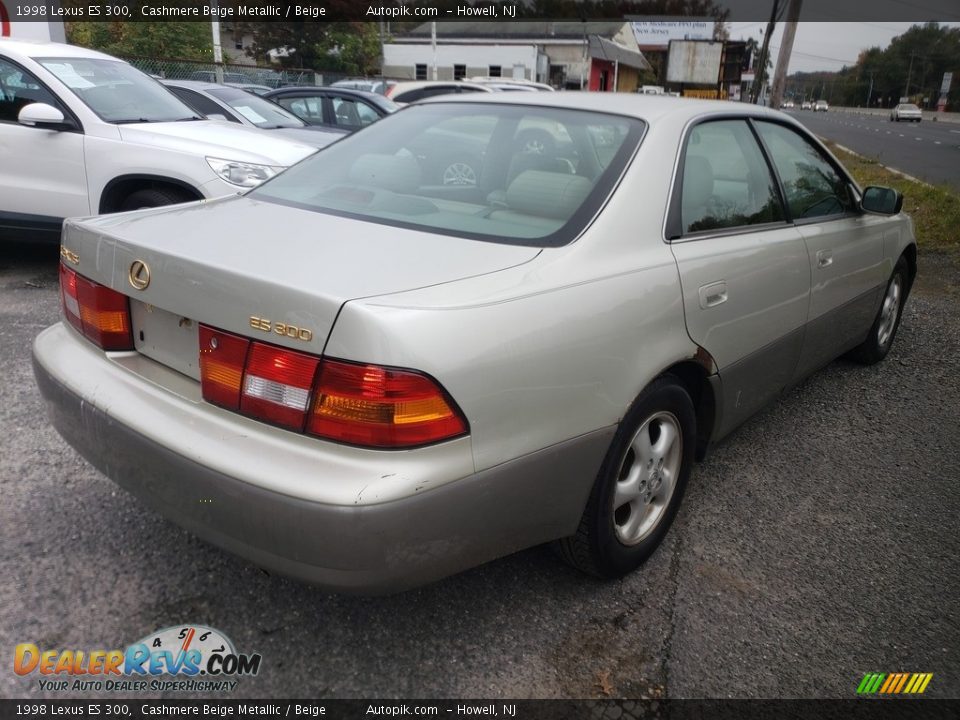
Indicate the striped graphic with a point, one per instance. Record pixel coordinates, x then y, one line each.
894 683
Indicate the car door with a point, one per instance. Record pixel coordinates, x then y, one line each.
743 267
844 245
42 173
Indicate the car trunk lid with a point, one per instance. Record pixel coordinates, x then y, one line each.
270 272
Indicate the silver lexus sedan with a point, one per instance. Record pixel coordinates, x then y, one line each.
363 377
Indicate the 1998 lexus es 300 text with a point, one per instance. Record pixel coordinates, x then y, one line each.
380 376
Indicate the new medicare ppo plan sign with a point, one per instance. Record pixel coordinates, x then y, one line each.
11 27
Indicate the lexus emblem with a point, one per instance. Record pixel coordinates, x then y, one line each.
139 275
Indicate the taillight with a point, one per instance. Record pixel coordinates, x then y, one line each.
101 314
353 403
381 407
277 384
222 357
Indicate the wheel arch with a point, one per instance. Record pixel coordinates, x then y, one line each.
123 185
910 255
695 376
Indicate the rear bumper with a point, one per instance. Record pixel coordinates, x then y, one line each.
378 547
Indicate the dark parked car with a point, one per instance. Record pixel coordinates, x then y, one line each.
334 106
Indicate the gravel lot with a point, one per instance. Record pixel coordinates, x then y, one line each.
818 543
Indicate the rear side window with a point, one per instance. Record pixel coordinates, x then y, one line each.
812 185
726 181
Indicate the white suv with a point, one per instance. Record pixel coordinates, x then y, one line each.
82 133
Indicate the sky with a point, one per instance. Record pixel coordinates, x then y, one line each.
824 45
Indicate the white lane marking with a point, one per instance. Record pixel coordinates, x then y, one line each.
901 134
918 138
956 131
936 142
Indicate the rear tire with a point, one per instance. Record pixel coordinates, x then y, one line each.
640 484
153 197
885 326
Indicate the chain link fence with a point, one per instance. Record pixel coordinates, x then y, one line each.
242 74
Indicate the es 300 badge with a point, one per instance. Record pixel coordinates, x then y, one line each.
183 657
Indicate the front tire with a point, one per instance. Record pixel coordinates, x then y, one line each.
884 328
640 484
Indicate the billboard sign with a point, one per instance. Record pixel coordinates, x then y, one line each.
945 86
657 35
694 62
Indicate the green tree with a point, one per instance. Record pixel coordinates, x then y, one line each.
166 40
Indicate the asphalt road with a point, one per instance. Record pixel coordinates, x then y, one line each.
817 544
926 150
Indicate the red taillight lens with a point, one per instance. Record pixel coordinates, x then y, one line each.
68 296
101 314
381 407
222 357
277 384
365 405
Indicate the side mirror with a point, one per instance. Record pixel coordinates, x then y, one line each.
44 116
881 200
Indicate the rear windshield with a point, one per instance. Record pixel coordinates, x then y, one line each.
502 173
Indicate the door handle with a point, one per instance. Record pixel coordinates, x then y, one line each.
713 294
824 258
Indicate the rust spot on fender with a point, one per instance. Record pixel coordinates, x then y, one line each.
705 360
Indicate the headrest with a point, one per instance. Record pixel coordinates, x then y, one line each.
390 172
547 194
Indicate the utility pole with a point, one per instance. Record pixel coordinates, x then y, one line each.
217 49
906 92
760 76
870 91
786 50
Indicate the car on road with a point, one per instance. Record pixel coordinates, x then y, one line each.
907 112
821 106
219 102
333 107
83 133
787 105
361 378
806 105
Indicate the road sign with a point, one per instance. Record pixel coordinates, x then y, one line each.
947 79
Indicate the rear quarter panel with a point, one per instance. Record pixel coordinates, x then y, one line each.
553 349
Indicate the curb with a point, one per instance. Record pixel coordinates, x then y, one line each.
902 174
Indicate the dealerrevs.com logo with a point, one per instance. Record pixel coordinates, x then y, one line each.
180 658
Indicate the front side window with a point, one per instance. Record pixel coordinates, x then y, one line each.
116 91
459 170
726 181
18 88
812 185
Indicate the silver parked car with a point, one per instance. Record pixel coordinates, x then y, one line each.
361 377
